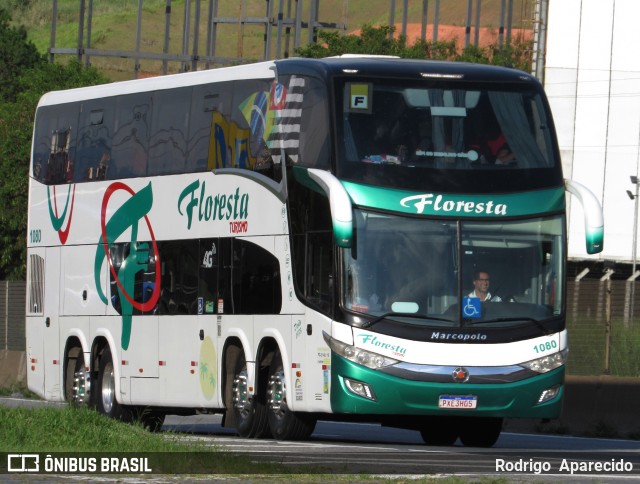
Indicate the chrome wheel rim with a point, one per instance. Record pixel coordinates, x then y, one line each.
276 394
240 394
108 388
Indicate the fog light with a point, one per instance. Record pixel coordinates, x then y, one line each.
360 388
549 394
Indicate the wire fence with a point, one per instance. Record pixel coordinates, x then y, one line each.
603 321
202 34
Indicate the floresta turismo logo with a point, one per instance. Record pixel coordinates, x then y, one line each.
127 216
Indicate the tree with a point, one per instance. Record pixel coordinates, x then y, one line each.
29 77
375 40
16 55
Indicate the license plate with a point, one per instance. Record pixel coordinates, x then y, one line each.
458 401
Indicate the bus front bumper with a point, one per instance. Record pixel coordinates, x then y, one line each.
356 389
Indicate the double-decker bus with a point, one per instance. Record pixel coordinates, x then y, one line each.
353 238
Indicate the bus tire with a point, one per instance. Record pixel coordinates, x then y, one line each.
284 423
77 381
250 413
106 401
481 431
441 431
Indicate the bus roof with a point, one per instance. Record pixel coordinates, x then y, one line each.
362 65
387 66
261 70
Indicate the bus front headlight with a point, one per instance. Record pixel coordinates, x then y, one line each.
366 358
547 363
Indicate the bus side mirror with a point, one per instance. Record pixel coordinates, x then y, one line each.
593 217
340 204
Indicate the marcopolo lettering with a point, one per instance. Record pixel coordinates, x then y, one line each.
440 204
231 206
437 335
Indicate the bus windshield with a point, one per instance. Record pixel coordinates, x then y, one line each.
418 271
408 130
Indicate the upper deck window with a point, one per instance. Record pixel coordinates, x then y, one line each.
419 127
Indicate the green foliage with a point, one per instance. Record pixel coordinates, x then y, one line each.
377 41
16 54
24 78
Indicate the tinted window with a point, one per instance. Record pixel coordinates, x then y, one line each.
133 287
256 279
55 143
179 261
130 148
169 131
95 133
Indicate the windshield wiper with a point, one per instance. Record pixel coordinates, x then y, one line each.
541 326
377 319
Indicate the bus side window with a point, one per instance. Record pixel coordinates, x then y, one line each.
204 100
134 264
169 131
256 279
93 153
179 261
55 144
130 148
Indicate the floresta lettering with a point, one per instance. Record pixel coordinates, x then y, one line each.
440 204
374 341
231 206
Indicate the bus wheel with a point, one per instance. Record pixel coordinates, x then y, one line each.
440 431
106 402
250 413
78 382
284 423
480 431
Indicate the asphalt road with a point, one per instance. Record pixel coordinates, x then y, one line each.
372 449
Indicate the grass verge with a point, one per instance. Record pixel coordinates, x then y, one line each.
78 430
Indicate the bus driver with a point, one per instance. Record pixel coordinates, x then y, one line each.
481 283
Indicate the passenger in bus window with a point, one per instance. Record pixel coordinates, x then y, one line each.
481 282
501 151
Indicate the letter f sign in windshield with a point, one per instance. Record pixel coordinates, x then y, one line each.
359 102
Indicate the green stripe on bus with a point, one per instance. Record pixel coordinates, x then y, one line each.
444 204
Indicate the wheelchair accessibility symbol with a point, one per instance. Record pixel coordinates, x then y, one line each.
471 307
